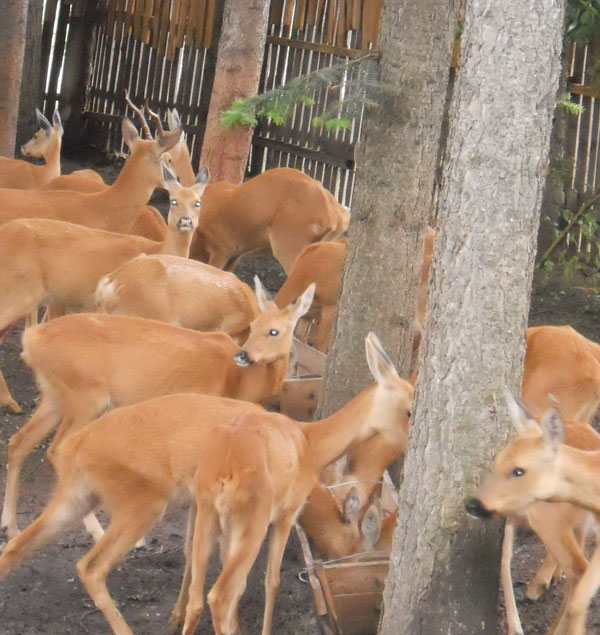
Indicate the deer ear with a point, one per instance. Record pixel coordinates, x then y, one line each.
351 506
553 429
519 415
202 179
168 140
169 178
370 526
173 119
263 298
130 133
42 121
381 366
56 120
302 304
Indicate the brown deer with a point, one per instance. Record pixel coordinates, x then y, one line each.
49 261
281 209
537 466
121 207
45 144
244 467
179 291
86 363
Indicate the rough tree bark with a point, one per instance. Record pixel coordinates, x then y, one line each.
393 194
13 25
31 84
444 573
237 73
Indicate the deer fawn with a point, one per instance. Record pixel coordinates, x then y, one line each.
121 207
52 261
244 467
45 144
323 264
281 209
179 291
534 467
86 363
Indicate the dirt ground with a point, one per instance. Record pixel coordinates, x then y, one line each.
45 595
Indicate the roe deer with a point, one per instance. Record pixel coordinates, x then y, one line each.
45 144
86 363
281 209
49 261
179 291
245 469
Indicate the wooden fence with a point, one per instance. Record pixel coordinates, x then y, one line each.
164 51
305 36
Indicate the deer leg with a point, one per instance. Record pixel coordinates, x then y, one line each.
247 531
280 532
512 613
582 595
178 612
42 422
31 319
6 399
128 524
543 578
199 543
324 328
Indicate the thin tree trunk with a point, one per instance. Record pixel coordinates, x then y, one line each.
13 26
393 194
30 98
237 74
444 573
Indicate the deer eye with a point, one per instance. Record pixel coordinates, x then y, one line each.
518 471
173 202
197 204
273 332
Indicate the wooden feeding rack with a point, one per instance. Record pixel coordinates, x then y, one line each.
300 392
348 593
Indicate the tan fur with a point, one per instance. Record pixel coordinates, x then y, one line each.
179 291
75 183
118 208
245 469
323 263
282 210
52 262
86 363
22 175
562 365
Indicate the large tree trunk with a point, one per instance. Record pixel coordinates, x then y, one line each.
393 194
13 26
31 84
444 573
237 73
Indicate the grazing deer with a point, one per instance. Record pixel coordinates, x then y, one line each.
179 291
244 467
121 207
537 466
323 264
49 261
281 209
86 363
45 144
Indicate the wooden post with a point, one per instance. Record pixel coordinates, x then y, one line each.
239 62
13 27
31 83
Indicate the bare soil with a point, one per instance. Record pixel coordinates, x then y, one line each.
44 595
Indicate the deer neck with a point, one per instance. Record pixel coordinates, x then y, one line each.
133 186
260 382
330 438
576 480
176 243
52 160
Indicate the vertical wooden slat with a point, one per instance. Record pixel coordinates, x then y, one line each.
288 12
175 6
181 22
356 14
300 14
164 27
276 11
137 19
148 10
209 22
370 22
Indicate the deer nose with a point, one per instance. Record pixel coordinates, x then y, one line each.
185 223
476 508
23 151
242 358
